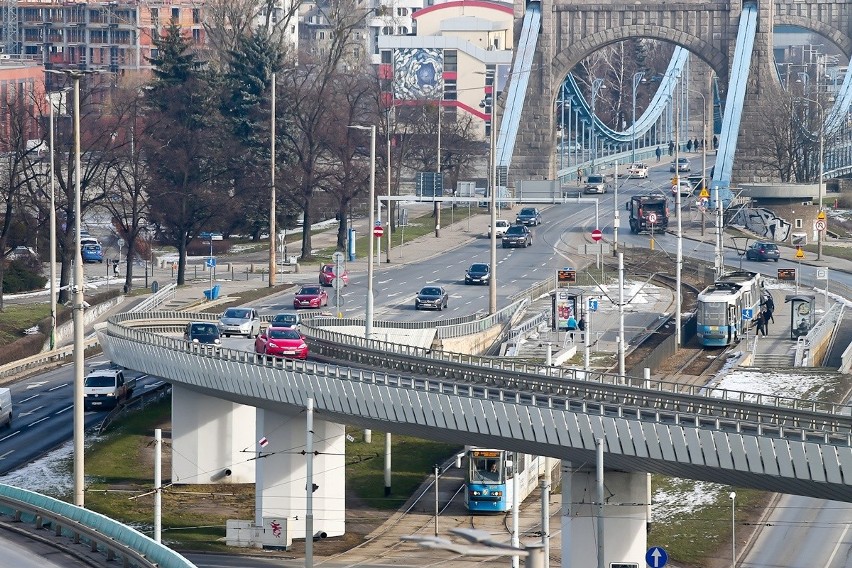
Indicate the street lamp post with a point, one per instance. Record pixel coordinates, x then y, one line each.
273 272
637 78
368 315
491 100
597 85
733 497
821 158
703 148
52 101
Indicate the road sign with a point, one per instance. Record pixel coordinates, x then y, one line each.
787 274
704 193
656 557
800 253
593 304
820 225
597 235
210 262
748 313
822 273
378 231
821 216
338 257
337 283
565 275
652 218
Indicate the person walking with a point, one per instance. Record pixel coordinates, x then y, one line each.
761 327
769 305
671 147
579 176
658 152
765 315
689 145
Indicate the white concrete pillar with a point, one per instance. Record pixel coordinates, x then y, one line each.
284 473
209 436
625 515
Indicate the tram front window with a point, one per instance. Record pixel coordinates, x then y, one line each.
485 470
714 313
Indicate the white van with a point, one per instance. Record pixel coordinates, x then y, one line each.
5 407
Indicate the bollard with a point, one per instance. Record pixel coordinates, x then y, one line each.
549 355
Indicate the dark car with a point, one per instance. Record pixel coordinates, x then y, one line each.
431 297
310 297
517 236
286 319
479 273
763 251
528 216
206 333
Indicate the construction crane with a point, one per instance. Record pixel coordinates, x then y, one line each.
10 27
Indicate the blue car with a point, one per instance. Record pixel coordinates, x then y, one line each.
92 253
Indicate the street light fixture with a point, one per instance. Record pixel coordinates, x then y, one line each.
368 315
733 497
52 101
637 78
77 302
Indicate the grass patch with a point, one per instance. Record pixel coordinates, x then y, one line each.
413 461
698 517
18 317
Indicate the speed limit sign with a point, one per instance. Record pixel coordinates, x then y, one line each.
820 225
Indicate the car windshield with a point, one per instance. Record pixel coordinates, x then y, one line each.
237 314
682 161
91 248
284 318
430 291
309 292
479 268
768 246
515 230
100 381
276 333
527 211
595 179
203 329
328 268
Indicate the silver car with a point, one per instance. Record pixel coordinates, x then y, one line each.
239 321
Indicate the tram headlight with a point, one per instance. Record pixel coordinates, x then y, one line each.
475 493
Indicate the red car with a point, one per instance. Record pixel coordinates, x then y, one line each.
326 275
281 342
310 297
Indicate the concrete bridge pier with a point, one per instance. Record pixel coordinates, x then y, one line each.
284 470
209 439
626 516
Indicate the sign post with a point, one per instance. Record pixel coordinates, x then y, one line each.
597 235
652 220
748 315
656 557
337 282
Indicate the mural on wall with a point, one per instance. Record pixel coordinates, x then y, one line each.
763 222
418 74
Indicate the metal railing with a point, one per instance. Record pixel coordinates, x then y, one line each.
153 301
819 333
115 540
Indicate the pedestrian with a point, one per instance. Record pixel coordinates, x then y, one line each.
761 327
715 142
658 152
695 144
769 305
671 147
765 316
689 145
580 176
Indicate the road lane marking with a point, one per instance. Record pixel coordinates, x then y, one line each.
28 399
15 433
27 413
67 408
36 384
62 386
3 456
38 421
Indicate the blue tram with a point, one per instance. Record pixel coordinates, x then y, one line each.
490 475
721 305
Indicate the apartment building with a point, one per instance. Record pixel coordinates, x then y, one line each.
21 83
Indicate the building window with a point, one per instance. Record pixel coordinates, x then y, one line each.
196 35
356 53
798 223
451 60
403 30
196 16
402 11
387 56
387 30
155 16
176 14
450 90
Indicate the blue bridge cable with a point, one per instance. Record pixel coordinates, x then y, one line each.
741 65
518 81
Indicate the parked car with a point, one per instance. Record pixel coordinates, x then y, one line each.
478 273
22 253
286 319
596 183
501 225
281 342
431 297
517 236
528 216
681 166
239 321
326 275
310 297
203 332
763 251
92 253
106 388
637 170
685 188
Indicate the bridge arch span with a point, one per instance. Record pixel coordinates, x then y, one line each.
827 31
566 59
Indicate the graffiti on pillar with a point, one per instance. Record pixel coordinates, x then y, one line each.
764 223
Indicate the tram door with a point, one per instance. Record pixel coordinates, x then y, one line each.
732 324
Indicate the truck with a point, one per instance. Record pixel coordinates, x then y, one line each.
648 212
106 388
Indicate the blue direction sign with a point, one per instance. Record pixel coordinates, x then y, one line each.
656 557
593 304
748 313
210 262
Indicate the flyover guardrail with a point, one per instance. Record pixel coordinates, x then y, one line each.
456 372
122 544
